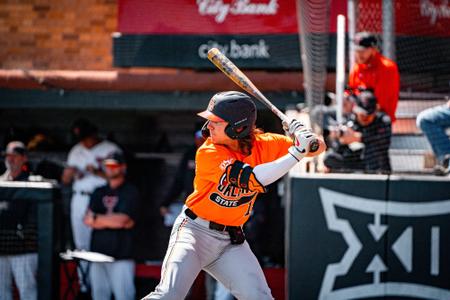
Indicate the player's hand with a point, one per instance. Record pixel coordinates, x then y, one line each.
349 136
90 169
302 144
68 175
89 218
291 127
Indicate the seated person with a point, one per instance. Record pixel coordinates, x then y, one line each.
362 143
434 122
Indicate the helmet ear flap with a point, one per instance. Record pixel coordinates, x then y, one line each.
229 130
237 132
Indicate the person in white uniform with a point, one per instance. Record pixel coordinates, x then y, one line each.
85 173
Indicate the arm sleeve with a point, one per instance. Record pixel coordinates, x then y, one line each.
270 172
212 163
352 77
388 91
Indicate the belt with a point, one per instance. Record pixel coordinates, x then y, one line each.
84 193
211 225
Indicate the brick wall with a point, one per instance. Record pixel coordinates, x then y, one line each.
57 34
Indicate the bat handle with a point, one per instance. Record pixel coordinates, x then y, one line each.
313 145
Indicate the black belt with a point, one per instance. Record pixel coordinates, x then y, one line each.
83 193
212 225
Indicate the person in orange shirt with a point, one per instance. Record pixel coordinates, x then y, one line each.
376 72
233 165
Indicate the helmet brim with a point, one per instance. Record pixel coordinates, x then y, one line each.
210 116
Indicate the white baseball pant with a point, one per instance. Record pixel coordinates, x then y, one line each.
80 231
24 268
113 278
193 247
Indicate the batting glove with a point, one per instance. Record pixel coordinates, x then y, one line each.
292 127
302 141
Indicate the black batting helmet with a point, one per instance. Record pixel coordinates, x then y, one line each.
236 108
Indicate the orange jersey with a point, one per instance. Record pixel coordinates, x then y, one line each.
381 75
214 199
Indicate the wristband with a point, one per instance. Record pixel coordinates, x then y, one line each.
295 153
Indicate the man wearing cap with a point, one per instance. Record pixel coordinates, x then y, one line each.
18 236
85 173
376 72
112 214
16 162
363 142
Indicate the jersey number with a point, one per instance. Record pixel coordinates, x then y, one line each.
249 209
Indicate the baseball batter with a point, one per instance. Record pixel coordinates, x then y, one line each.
234 164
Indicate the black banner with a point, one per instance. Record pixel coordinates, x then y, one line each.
281 51
369 237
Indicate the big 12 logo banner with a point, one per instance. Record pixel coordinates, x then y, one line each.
394 249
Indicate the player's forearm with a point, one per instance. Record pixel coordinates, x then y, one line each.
270 172
68 175
114 221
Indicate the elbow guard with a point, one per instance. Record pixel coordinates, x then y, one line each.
241 175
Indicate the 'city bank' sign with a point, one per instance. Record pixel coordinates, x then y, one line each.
220 9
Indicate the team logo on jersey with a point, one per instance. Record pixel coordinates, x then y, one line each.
223 165
405 257
228 195
110 202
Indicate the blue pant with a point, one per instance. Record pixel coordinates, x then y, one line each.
113 278
434 122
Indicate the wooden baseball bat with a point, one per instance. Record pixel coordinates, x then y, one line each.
234 73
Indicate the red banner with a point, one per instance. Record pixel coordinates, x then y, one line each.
212 16
413 17
423 17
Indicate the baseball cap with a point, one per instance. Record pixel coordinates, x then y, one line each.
364 40
233 107
366 102
16 147
116 158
